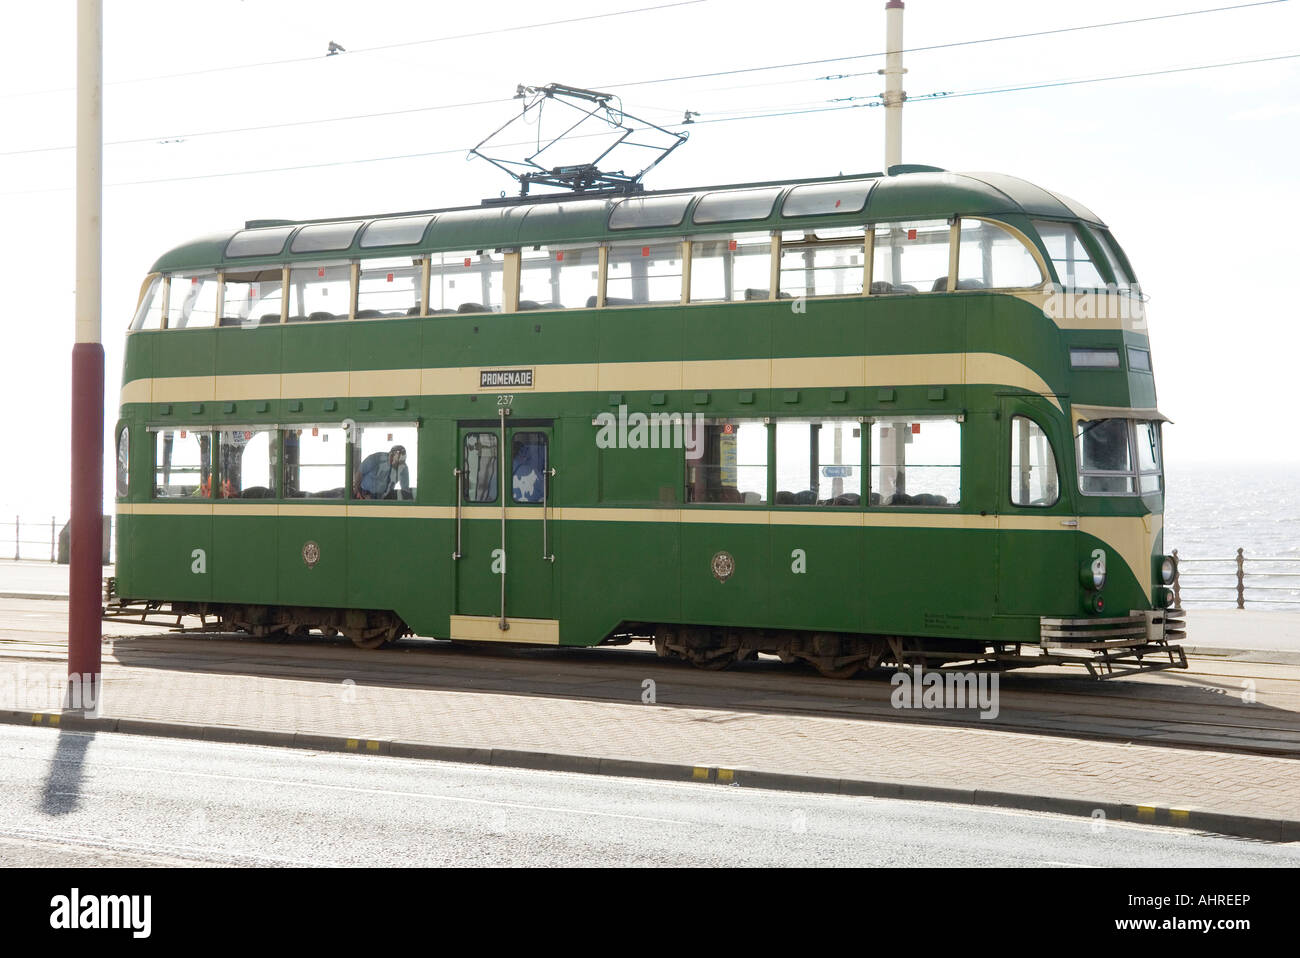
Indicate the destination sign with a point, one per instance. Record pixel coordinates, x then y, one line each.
505 379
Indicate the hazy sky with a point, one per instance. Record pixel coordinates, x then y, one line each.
1195 172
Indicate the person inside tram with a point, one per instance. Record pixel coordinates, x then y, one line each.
383 474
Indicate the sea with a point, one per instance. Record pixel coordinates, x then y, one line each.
1211 511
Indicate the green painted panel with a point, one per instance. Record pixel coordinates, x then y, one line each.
243 351
383 343
743 597
614 572
186 352
326 583
165 563
400 564
137 357
929 581
246 547
313 347
817 578
831 328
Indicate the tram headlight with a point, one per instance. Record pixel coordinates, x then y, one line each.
1167 570
1092 575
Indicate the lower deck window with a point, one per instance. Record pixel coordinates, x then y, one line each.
384 462
818 463
182 464
248 463
726 461
916 462
1119 457
1033 465
315 463
479 480
528 464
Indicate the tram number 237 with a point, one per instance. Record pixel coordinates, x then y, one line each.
505 400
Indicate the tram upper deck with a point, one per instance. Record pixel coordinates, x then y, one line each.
866 235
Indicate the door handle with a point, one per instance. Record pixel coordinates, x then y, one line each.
547 475
502 411
457 472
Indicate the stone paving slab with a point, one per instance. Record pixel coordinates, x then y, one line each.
961 762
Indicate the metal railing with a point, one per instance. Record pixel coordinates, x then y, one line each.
35 540
32 533
1229 579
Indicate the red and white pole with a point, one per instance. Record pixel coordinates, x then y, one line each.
87 528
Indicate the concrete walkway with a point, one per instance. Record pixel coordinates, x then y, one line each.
1251 795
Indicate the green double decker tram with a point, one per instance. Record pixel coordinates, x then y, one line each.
853 421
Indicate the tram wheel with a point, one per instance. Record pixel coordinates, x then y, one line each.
714 664
827 668
370 638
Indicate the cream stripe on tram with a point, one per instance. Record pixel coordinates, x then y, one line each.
805 372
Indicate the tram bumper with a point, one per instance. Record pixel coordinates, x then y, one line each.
1118 645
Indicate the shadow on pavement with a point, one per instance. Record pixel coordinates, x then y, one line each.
61 793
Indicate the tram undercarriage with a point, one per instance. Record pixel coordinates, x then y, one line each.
1107 648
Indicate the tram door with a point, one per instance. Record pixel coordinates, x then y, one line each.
1037 568
505 544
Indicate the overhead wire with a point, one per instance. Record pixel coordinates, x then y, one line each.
375 49
939 46
935 97
162 138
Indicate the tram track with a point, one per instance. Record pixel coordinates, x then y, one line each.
1201 708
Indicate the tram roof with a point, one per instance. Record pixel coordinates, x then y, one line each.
907 192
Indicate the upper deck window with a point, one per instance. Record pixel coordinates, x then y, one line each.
991 257
259 242
389 287
910 257
253 298
1107 243
324 236
822 199
149 315
193 301
468 282
731 268
554 277
320 292
640 211
826 263
402 231
1066 250
735 205
642 274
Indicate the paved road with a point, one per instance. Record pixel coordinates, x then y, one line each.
76 799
